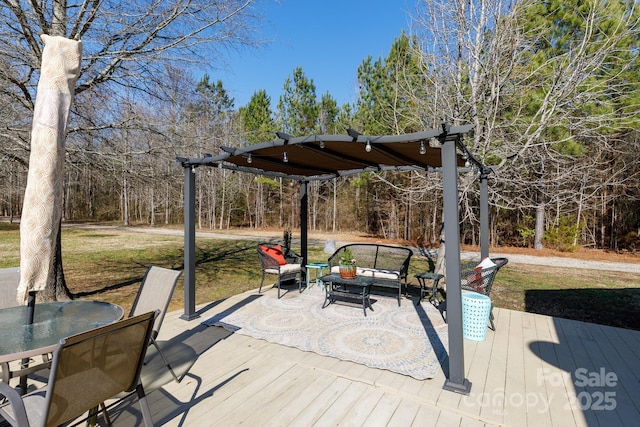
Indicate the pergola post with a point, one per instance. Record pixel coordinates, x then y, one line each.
189 244
304 223
456 381
484 214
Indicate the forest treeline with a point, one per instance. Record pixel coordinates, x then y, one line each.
552 88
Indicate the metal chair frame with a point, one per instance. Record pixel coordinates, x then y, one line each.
155 293
481 281
290 271
86 370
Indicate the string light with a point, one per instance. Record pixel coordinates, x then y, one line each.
423 149
284 157
321 144
367 147
249 159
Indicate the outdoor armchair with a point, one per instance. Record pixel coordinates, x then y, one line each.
286 266
86 369
481 280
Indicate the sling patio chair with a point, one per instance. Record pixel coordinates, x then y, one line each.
155 293
286 266
86 369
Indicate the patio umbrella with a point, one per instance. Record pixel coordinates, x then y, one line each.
42 207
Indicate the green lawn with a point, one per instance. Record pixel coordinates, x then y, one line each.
106 264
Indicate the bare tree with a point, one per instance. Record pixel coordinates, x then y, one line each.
542 88
126 46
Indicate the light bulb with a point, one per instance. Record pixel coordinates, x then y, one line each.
367 147
423 150
321 144
249 159
284 157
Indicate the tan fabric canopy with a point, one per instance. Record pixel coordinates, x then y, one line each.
327 156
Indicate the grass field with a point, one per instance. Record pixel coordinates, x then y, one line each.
107 264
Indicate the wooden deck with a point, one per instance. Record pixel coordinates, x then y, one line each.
533 371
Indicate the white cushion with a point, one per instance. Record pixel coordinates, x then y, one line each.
378 273
286 268
372 272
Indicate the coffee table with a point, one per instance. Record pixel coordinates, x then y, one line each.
357 288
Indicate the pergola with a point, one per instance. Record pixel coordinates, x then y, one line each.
323 157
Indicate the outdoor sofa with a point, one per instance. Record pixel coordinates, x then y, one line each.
387 265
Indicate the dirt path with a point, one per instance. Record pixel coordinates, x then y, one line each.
319 239
570 262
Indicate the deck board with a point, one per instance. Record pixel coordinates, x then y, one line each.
230 379
314 411
622 395
383 411
487 396
514 413
298 403
341 406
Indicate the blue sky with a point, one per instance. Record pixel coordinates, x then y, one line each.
329 39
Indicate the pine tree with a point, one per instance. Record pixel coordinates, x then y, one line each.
257 118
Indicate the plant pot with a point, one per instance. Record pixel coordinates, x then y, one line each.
348 271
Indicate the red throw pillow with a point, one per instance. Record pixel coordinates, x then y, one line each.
274 252
475 281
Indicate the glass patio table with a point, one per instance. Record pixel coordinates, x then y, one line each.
51 322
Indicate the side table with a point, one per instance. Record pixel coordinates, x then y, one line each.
318 268
429 288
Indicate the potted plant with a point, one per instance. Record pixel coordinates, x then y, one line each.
347 264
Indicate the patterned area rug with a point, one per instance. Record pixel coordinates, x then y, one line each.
410 340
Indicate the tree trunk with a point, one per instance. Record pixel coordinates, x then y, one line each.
125 203
539 232
200 191
440 264
166 204
152 207
56 289
281 215
334 216
223 198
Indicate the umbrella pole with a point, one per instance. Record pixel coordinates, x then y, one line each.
31 306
